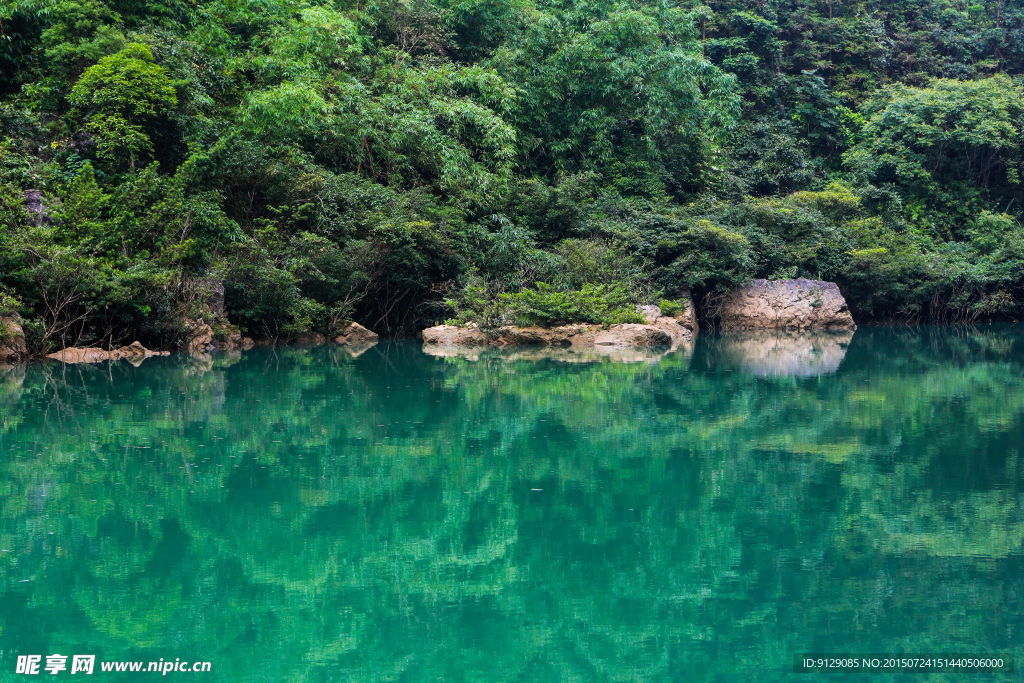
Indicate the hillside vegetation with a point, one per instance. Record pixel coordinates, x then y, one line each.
402 163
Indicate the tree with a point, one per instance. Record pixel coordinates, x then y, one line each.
123 96
621 90
952 141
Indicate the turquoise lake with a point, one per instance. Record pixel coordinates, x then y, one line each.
708 514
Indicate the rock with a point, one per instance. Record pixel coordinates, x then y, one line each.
38 207
246 343
688 316
454 335
198 335
75 354
135 350
652 313
534 336
785 305
134 353
12 339
678 331
355 334
661 332
633 335
226 336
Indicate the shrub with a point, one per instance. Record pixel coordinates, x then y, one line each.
546 306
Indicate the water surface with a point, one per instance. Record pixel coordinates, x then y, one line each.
310 515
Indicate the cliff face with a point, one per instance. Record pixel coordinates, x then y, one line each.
785 305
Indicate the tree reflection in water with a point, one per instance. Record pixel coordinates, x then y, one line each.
310 515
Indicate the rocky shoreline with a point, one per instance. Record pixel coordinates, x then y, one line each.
659 332
786 305
200 338
798 305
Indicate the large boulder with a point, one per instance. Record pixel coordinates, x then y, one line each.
12 339
785 305
355 334
678 330
198 335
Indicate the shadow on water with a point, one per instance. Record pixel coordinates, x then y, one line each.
318 515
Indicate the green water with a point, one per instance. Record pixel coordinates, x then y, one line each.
307 515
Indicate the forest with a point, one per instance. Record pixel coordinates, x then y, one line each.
405 162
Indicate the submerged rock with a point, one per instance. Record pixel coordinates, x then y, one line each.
12 339
785 305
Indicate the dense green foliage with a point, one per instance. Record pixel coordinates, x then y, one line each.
394 160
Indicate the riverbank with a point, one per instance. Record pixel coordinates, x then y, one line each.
200 338
790 305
